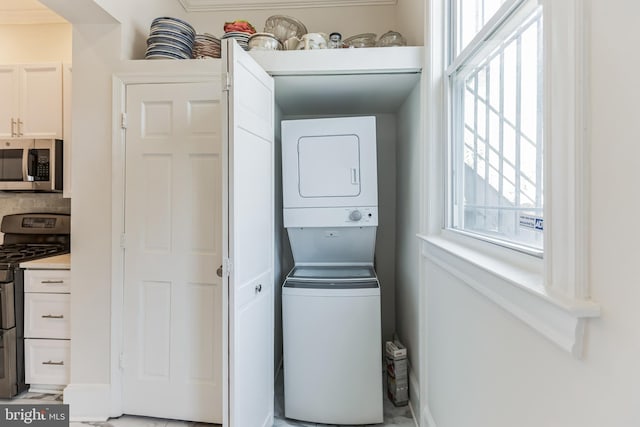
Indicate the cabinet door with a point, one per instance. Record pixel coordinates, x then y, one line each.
9 105
249 239
41 101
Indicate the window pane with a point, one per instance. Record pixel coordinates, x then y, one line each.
471 16
497 129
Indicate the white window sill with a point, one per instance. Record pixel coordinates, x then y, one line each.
518 290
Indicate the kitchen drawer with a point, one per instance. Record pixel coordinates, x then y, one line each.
47 361
47 315
54 281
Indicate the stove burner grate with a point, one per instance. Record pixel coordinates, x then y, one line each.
25 251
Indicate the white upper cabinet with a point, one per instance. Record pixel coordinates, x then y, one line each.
9 106
34 107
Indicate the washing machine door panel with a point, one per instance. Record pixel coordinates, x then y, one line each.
329 166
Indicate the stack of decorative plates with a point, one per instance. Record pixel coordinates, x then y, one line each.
170 38
206 46
240 37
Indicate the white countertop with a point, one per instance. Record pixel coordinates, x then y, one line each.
59 262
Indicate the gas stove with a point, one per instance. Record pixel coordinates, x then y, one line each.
33 236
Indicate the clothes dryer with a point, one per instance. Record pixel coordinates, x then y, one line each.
329 162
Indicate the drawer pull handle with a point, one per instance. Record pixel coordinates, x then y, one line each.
60 363
52 316
52 282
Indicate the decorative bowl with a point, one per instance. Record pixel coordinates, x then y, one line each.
284 27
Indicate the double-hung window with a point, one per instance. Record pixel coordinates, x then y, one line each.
495 82
507 211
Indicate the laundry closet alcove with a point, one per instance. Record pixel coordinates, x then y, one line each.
216 199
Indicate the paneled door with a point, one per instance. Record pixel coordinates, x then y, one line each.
249 243
172 338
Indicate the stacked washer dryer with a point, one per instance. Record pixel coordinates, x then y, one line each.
331 298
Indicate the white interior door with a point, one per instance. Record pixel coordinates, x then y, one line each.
172 338
250 246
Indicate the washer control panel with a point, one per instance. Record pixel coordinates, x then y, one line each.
360 215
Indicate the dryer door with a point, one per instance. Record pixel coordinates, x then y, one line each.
329 166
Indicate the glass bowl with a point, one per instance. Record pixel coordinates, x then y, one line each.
284 27
361 40
391 38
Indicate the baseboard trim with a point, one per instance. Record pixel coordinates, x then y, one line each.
427 417
413 414
414 390
88 402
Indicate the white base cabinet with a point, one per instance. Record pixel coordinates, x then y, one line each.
47 327
46 362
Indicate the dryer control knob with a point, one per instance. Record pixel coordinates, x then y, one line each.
355 215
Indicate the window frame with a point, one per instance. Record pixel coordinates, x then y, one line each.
550 294
510 15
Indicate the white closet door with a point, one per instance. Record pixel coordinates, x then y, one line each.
250 243
172 295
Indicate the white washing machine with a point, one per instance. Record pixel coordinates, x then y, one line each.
331 298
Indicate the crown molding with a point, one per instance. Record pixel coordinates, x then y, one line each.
222 5
29 16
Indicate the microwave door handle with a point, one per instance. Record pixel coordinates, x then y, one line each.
28 165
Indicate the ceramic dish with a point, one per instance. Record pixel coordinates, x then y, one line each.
174 22
264 41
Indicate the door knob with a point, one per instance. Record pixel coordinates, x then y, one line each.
219 271
258 289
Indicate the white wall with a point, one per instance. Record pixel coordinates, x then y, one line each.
411 21
407 298
487 369
35 43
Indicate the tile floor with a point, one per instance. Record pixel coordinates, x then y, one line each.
393 416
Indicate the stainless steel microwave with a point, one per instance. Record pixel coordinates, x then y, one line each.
31 165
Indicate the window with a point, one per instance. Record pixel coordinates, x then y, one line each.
474 91
495 80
